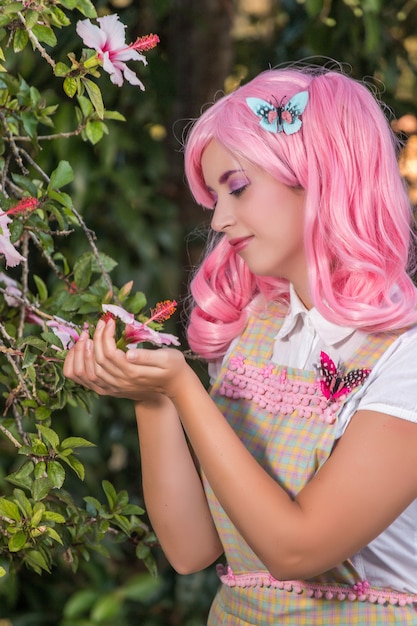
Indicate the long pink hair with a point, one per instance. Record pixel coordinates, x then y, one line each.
357 212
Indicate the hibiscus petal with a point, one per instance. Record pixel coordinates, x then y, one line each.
66 332
13 257
137 333
116 75
169 340
92 35
119 312
132 78
114 31
128 54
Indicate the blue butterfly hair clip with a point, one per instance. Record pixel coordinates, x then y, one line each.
280 118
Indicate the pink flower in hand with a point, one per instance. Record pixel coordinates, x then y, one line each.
137 332
109 42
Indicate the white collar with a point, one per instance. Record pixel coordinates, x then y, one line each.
329 333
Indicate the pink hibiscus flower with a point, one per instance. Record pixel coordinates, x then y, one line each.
136 332
66 332
109 42
13 257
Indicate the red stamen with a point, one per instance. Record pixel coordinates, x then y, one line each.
145 43
25 204
107 316
163 311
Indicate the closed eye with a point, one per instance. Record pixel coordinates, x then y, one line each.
239 191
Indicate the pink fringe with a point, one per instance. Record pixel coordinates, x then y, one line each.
361 591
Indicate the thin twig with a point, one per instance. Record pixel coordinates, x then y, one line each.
36 42
13 144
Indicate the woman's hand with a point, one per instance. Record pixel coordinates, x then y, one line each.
137 375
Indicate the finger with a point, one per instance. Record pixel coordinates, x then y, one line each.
104 342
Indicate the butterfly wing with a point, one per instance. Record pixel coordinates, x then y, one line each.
266 111
295 107
329 374
354 378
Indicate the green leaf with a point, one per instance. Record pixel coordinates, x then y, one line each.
95 131
85 7
41 488
132 509
12 7
9 509
38 511
70 86
22 477
41 287
29 358
23 502
94 94
51 532
31 17
79 603
20 40
141 588
61 197
75 464
42 413
36 560
17 541
30 123
108 263
110 492
61 176
114 115
61 69
85 105
83 270
76 442
106 608
52 516
56 473
44 34
49 435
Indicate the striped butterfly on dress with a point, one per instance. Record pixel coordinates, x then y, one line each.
334 383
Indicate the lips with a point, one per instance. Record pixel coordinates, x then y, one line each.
239 243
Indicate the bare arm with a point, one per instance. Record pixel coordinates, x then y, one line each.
175 500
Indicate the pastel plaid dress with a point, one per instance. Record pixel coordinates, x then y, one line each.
283 419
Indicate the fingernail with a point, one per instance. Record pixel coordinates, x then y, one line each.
83 336
100 324
131 355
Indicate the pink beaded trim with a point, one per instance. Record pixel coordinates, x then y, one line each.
361 591
276 394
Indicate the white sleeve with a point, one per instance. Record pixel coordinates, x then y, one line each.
391 387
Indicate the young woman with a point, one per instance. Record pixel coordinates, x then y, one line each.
306 446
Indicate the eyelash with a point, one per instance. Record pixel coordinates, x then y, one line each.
239 191
235 192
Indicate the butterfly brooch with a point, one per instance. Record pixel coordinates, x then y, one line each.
334 383
280 117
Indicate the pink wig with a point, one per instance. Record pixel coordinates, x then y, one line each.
357 213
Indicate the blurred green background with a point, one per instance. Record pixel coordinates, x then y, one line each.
130 189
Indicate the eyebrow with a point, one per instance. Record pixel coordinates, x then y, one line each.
225 177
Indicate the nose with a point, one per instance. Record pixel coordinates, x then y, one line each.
223 217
